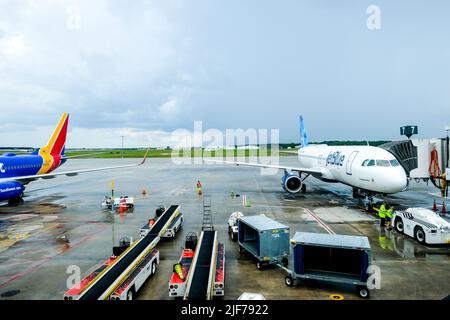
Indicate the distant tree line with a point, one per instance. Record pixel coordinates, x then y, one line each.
374 143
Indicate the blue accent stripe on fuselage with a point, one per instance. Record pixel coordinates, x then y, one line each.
21 165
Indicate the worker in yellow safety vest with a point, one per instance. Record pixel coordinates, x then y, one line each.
199 187
382 214
389 216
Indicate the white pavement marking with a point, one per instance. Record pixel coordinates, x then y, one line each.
321 223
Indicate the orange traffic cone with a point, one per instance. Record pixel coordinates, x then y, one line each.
123 206
435 208
443 208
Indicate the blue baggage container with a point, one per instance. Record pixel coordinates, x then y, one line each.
333 258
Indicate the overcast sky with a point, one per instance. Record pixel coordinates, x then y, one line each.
144 68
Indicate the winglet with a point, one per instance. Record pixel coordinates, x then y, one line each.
145 158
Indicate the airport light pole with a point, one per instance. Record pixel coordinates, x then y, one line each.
122 145
447 129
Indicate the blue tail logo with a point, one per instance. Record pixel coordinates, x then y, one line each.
303 135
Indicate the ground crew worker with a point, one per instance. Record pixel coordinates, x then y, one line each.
389 216
382 214
444 185
199 187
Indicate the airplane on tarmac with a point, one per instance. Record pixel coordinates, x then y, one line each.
368 170
18 170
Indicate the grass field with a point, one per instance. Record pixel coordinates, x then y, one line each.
133 153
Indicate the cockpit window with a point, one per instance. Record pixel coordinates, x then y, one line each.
371 163
383 163
394 163
365 163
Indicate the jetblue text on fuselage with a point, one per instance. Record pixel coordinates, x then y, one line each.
335 158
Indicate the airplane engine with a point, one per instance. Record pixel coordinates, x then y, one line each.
11 190
291 183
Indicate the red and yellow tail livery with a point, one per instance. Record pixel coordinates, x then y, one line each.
52 152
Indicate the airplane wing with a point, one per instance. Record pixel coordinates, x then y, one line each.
27 179
312 171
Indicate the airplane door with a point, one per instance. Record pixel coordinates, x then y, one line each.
350 162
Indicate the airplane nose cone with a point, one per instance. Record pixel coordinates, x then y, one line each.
397 181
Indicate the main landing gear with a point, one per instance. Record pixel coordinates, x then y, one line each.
303 189
16 201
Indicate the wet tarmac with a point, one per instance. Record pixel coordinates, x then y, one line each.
60 224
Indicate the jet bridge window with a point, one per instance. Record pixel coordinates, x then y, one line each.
394 163
383 163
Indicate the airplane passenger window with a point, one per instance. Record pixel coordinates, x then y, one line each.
365 163
371 163
394 163
383 163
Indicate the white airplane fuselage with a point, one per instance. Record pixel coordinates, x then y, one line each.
353 166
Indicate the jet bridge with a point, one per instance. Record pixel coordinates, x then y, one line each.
107 281
422 159
200 280
405 152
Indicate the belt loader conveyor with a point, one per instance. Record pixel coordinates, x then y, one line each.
200 280
112 276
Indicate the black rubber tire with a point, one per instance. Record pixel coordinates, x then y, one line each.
285 262
259 266
289 281
15 201
363 292
130 294
399 226
153 271
303 188
419 235
241 250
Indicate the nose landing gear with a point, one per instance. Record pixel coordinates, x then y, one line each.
362 195
369 203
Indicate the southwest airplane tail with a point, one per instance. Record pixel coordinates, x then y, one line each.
57 142
53 151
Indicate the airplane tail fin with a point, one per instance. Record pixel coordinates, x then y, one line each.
303 135
57 142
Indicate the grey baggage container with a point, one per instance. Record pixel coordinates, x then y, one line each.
265 239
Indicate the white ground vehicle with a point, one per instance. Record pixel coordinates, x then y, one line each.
423 225
233 224
145 269
110 203
170 232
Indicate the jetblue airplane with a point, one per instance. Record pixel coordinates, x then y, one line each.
18 170
368 170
